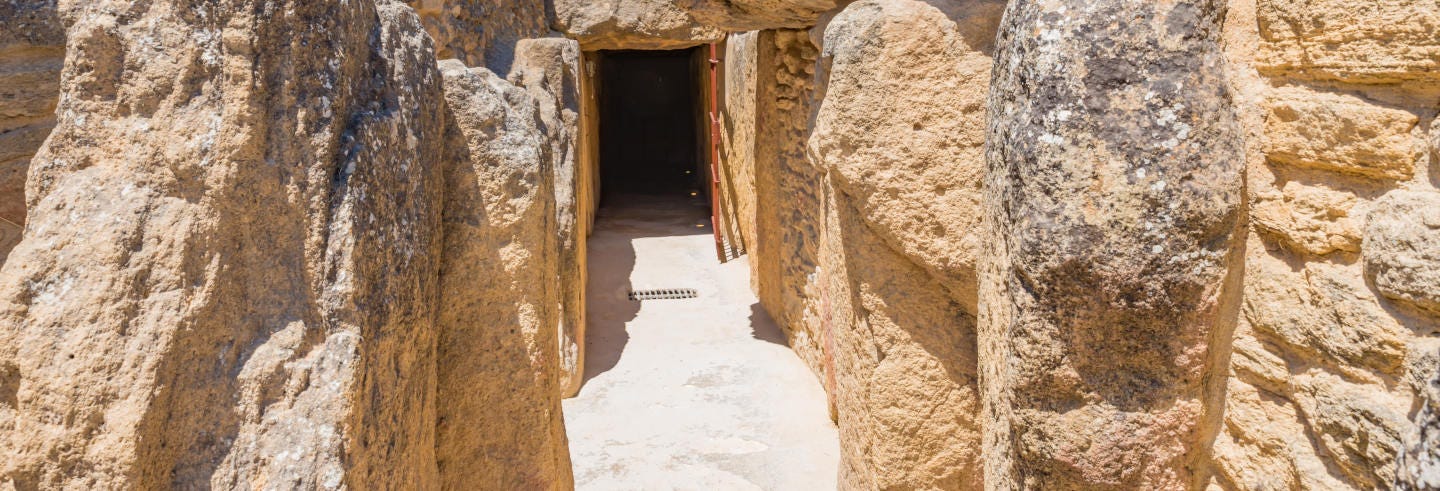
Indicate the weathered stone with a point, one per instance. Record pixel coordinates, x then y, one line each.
1365 42
1324 312
1402 248
904 171
750 15
482 33
911 159
228 278
498 399
1418 466
631 24
1342 134
32 49
788 207
549 69
1311 219
1357 429
1112 200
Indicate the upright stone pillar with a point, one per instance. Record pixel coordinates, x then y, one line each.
1112 202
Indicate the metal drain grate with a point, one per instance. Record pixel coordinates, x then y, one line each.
663 294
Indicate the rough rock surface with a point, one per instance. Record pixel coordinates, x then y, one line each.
1402 248
32 49
1418 467
907 391
631 24
229 274
498 400
1112 201
482 33
1328 363
549 69
749 15
1369 42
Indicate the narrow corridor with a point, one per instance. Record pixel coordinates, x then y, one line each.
699 393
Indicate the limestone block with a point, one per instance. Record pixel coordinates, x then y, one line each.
902 127
1324 312
1264 444
549 69
1402 248
1366 42
482 33
1112 199
32 50
1342 134
1357 425
1418 466
1312 219
230 269
631 24
750 15
498 398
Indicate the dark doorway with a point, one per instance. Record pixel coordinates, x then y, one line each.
649 129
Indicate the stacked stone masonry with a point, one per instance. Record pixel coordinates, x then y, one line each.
1114 244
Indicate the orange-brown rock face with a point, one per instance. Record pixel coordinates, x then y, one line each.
631 24
1337 337
498 395
32 48
482 33
1112 199
229 275
901 313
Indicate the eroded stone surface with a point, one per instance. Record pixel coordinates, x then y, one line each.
1402 248
482 33
749 15
549 69
1341 133
631 24
32 48
229 273
1112 197
1371 42
498 399
903 171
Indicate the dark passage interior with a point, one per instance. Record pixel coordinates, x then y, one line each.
650 123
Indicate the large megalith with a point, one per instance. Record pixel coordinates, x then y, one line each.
1112 202
229 274
498 400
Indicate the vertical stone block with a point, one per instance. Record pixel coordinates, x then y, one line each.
1112 200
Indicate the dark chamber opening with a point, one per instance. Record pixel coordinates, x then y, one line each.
650 123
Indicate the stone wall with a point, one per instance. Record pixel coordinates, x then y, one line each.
229 275
482 34
1339 329
32 50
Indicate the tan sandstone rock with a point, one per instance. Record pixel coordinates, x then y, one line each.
1343 134
482 33
229 276
749 15
549 69
498 399
1112 197
899 132
1402 248
631 24
1368 42
32 48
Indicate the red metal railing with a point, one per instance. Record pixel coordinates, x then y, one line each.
715 153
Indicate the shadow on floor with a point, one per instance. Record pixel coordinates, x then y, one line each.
607 306
764 328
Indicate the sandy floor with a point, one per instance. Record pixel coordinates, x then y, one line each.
688 394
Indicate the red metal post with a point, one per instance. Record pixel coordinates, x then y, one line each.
715 153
